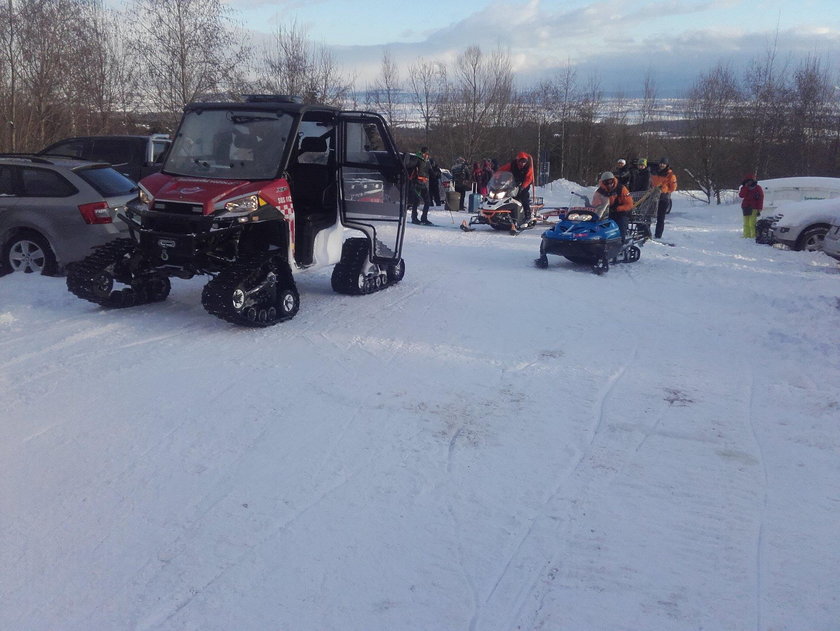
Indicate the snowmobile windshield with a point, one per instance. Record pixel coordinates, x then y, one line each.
229 144
500 185
501 182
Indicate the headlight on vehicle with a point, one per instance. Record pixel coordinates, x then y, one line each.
145 198
243 205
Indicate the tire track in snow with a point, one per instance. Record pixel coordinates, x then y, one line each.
759 543
527 556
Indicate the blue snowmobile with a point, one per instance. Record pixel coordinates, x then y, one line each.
587 236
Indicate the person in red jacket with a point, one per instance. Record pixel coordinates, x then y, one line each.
618 199
522 168
752 203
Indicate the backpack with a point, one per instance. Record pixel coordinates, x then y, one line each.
461 175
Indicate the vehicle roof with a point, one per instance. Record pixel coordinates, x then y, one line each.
101 136
59 161
270 106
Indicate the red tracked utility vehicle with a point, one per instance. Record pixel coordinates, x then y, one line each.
253 193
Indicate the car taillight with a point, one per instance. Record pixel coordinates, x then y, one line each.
97 212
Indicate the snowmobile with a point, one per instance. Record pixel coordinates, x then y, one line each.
587 236
500 208
251 193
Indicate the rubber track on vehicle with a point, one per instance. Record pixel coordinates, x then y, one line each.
346 272
217 295
80 276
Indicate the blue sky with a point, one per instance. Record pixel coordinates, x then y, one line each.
615 41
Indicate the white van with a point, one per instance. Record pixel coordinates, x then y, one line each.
798 189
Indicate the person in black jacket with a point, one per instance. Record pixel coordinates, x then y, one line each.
622 172
434 183
639 176
419 187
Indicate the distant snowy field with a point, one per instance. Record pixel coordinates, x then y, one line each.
486 446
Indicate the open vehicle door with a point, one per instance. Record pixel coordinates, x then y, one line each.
373 183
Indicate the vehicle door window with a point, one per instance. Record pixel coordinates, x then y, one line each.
71 148
364 144
45 183
116 151
7 187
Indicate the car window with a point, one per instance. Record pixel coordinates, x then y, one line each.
116 150
72 148
45 183
107 181
6 182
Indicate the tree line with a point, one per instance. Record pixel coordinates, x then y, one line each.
72 67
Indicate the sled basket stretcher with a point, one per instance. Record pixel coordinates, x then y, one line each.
643 213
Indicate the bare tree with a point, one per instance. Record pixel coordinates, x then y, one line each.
292 64
648 108
45 45
427 81
384 96
8 74
763 116
812 95
187 49
589 153
559 105
712 106
104 81
481 96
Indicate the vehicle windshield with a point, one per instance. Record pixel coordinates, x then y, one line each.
502 181
229 144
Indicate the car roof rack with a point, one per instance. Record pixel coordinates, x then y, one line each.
26 156
272 98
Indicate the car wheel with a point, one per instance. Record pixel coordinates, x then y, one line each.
30 253
812 239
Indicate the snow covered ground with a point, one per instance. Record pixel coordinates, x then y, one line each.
484 447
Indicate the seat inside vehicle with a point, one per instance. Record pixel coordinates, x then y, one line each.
313 184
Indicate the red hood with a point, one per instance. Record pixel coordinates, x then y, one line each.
194 190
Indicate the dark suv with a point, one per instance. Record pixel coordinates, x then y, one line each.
133 156
54 210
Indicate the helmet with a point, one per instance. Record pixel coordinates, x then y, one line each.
642 162
621 162
606 175
663 160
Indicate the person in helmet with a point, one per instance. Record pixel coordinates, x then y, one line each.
522 168
663 177
616 197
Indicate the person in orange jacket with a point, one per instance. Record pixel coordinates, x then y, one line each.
663 177
617 197
522 168
752 196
